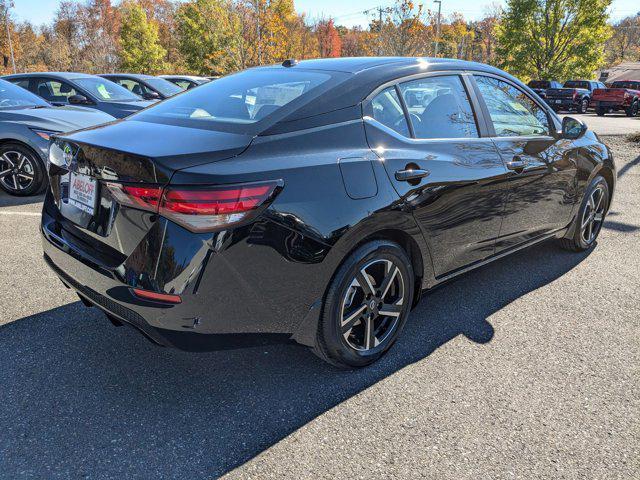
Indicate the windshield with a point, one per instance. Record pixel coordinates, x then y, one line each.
576 84
106 90
13 96
626 84
538 84
165 87
236 100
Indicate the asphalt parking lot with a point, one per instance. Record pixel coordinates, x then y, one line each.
528 368
611 124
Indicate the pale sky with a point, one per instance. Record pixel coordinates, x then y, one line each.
345 12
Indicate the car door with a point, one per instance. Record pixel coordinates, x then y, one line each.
427 135
542 166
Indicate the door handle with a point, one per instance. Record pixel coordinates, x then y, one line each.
408 175
517 164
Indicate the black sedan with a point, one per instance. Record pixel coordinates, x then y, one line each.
26 124
145 86
316 200
66 88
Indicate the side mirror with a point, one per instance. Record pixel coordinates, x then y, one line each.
572 128
79 100
151 96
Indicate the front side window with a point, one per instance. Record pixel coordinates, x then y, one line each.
131 85
512 112
387 110
439 107
54 91
576 84
626 84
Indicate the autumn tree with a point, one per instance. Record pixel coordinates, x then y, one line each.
329 42
99 23
140 50
624 44
208 32
403 33
553 38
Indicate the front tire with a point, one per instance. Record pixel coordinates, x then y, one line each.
366 305
590 217
21 170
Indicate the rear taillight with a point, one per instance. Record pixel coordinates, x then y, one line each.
142 197
202 209
198 208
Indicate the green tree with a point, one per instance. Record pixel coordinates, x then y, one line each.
208 35
553 39
140 50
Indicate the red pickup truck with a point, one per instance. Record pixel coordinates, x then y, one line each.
621 95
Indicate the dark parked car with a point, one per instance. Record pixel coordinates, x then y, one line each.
64 88
26 123
186 82
145 86
574 95
541 86
621 95
314 202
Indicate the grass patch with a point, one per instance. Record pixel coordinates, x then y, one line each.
634 137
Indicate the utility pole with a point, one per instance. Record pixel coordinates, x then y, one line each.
439 2
7 6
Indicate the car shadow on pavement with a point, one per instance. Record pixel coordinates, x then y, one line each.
81 398
7 200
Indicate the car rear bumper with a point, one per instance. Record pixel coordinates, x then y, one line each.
611 104
226 312
562 102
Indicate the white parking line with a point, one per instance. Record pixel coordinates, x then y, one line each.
26 214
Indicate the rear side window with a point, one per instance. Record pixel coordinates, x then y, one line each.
512 112
538 84
22 82
576 84
236 100
439 107
387 110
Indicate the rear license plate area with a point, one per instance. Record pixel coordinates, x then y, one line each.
83 192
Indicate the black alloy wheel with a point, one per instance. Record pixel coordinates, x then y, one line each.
590 217
366 306
21 172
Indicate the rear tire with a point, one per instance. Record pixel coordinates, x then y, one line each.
601 111
590 217
632 110
22 172
584 105
366 305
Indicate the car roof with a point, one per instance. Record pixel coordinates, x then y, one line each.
59 75
137 76
365 74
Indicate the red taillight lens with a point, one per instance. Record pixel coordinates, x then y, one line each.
198 208
142 197
157 297
202 209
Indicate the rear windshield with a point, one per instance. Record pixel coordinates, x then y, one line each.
629 85
165 87
576 84
106 90
539 84
13 96
236 102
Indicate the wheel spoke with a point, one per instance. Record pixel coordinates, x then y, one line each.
585 222
598 217
8 160
364 282
352 318
391 310
4 172
388 280
599 202
21 159
590 231
370 340
16 183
